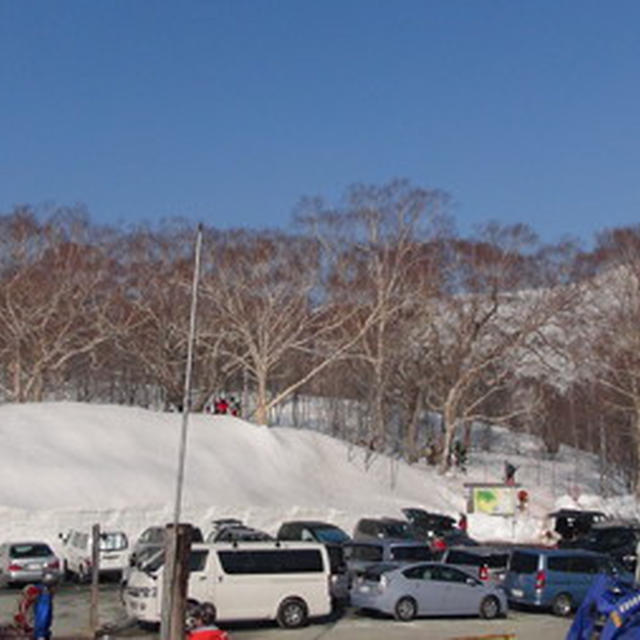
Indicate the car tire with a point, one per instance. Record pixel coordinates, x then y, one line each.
405 609
562 605
82 575
292 613
489 608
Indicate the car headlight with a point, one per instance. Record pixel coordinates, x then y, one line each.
384 583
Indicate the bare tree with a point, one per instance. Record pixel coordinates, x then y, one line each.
612 330
491 326
374 243
156 288
264 290
55 303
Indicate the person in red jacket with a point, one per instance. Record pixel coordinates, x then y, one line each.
203 628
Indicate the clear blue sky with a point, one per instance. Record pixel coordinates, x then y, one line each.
228 111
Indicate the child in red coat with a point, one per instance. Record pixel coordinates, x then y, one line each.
203 628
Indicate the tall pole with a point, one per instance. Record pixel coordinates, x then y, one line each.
186 398
175 578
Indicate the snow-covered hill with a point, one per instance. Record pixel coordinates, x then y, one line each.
72 464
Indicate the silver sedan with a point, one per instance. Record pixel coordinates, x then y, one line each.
23 562
426 589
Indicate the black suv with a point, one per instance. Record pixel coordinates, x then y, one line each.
384 529
618 540
573 523
427 525
429 522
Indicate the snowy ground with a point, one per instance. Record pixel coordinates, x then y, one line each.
71 464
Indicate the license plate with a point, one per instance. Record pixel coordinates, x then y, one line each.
34 566
111 556
364 588
517 593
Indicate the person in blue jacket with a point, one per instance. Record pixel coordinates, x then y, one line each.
43 608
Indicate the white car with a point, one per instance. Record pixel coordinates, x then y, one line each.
77 546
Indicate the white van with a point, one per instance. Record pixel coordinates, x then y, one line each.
284 581
77 548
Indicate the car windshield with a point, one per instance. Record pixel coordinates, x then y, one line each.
331 535
30 551
398 530
114 541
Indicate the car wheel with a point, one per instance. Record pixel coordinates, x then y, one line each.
489 608
292 613
406 609
82 575
562 604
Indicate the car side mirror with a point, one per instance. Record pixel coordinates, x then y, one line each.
472 582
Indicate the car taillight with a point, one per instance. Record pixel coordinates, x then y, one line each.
14 566
541 579
483 572
438 544
55 564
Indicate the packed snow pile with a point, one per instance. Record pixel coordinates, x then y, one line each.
72 464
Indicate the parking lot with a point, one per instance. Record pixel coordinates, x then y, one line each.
71 620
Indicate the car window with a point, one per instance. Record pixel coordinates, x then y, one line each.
455 556
157 535
307 536
583 564
558 563
30 551
411 552
367 527
449 574
497 560
369 552
397 530
286 531
113 541
522 562
332 535
421 572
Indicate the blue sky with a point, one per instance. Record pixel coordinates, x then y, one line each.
228 112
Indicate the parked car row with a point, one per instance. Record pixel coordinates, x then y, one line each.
387 565
117 555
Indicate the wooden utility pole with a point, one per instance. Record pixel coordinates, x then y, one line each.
174 590
95 576
176 577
